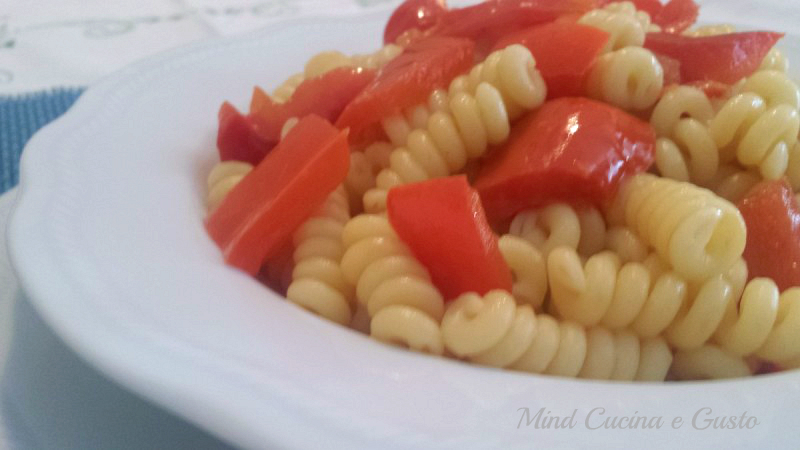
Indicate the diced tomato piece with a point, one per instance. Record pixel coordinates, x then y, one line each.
572 149
726 58
443 223
564 53
260 213
488 21
237 139
419 14
772 217
325 96
407 80
676 16
672 69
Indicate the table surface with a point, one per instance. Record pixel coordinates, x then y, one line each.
68 43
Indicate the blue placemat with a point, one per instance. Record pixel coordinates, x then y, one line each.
20 117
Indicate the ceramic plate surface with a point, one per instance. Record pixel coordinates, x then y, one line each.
108 241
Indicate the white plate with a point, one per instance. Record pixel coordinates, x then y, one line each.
108 241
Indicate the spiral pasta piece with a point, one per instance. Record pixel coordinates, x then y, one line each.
318 284
775 60
766 323
603 291
222 178
396 289
528 268
492 330
698 233
473 121
767 135
685 150
626 26
742 319
625 244
364 167
630 78
546 228
774 86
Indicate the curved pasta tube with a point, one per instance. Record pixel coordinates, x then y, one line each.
546 228
318 283
630 78
474 119
364 167
685 149
528 268
492 330
561 224
603 291
222 178
775 87
708 362
626 245
626 26
767 135
677 103
765 323
775 60
698 233
396 289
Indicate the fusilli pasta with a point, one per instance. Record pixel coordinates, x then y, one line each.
685 150
698 233
222 178
602 291
626 26
395 288
529 270
767 135
492 330
474 119
317 280
630 78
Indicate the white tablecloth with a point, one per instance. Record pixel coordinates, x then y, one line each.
57 43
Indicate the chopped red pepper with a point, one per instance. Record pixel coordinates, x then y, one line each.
564 53
487 22
325 96
419 14
237 139
261 212
725 58
772 216
572 149
443 223
407 80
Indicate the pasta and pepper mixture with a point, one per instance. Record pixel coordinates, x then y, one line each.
580 188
